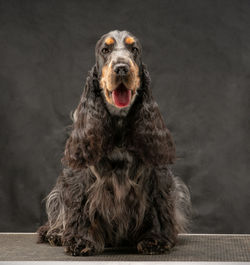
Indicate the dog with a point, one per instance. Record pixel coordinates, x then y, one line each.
116 187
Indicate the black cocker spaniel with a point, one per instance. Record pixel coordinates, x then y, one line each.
116 187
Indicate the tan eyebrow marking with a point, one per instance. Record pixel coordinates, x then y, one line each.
129 40
109 41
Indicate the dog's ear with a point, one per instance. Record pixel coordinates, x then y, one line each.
145 79
150 137
86 143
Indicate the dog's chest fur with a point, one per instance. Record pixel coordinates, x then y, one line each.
117 193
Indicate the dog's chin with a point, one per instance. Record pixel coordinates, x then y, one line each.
120 100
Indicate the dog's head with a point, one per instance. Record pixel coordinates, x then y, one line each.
118 60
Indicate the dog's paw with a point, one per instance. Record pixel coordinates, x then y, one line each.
81 248
153 247
54 240
42 234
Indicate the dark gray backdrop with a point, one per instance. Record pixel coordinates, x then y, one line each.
198 54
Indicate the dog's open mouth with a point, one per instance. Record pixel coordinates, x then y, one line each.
121 96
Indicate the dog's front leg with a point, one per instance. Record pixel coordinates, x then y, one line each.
159 231
157 238
80 237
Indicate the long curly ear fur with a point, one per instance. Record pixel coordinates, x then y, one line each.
89 139
150 137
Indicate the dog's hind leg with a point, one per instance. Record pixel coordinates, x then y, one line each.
52 237
51 232
42 233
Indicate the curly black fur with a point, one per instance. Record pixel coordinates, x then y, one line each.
116 187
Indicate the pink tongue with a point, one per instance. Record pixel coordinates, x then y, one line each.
121 96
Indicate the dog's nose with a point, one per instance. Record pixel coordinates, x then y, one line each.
121 69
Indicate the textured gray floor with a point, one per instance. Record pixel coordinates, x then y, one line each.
21 247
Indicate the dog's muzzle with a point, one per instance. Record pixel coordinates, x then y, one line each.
122 94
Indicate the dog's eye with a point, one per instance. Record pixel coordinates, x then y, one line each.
135 50
105 50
